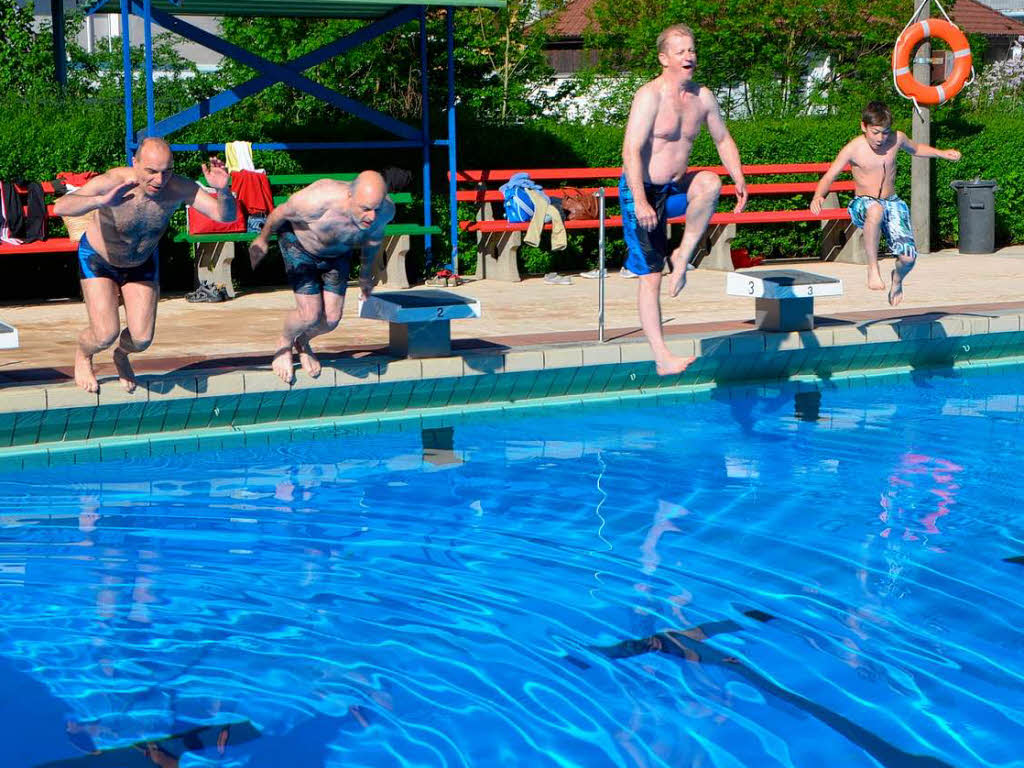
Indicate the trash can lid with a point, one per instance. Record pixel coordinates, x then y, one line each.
974 184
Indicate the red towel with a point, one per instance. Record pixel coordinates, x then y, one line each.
198 224
76 179
252 190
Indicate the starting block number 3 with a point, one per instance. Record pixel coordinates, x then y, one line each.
750 290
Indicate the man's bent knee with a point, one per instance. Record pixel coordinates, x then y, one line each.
311 318
141 345
705 185
105 336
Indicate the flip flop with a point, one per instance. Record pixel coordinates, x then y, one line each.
553 278
207 292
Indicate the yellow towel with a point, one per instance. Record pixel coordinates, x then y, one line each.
238 155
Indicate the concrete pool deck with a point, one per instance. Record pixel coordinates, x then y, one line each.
209 366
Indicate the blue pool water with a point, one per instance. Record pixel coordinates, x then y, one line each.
513 591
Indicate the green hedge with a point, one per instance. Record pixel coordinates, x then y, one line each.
992 146
44 135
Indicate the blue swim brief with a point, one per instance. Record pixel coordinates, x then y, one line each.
308 274
92 264
896 226
646 251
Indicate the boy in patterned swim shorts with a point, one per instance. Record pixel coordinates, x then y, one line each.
877 209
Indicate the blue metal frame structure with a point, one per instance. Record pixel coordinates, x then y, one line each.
290 73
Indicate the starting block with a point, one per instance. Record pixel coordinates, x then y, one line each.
8 336
783 298
419 322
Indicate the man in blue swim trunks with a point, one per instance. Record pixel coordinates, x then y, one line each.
318 228
664 121
876 209
117 255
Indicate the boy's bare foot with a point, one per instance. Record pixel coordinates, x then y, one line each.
84 375
310 363
673 365
282 364
124 370
875 282
896 291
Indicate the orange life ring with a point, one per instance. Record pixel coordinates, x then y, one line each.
907 85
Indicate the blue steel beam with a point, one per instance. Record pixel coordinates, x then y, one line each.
126 55
452 181
425 122
273 73
214 146
148 38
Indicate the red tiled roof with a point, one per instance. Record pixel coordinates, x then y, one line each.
976 18
573 20
970 15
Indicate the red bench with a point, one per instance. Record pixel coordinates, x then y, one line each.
498 240
51 244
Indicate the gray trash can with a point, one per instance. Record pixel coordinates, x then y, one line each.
976 200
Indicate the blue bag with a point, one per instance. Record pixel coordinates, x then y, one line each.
519 207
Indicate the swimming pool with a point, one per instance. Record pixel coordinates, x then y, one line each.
513 590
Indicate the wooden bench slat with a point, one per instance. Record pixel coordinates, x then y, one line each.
396 198
392 230
52 245
747 217
773 188
611 172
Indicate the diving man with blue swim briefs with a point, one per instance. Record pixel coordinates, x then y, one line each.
117 255
876 209
318 228
664 121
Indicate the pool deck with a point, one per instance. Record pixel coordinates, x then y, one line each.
241 333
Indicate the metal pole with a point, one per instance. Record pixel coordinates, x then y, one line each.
147 24
425 108
920 167
59 54
600 264
126 55
452 180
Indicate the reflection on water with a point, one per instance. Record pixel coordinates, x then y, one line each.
801 578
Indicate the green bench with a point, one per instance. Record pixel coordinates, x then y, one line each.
214 253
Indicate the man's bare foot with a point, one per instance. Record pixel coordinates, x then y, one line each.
673 365
282 364
875 282
896 291
84 376
307 359
124 370
678 279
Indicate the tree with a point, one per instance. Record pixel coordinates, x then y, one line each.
509 41
24 52
765 47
